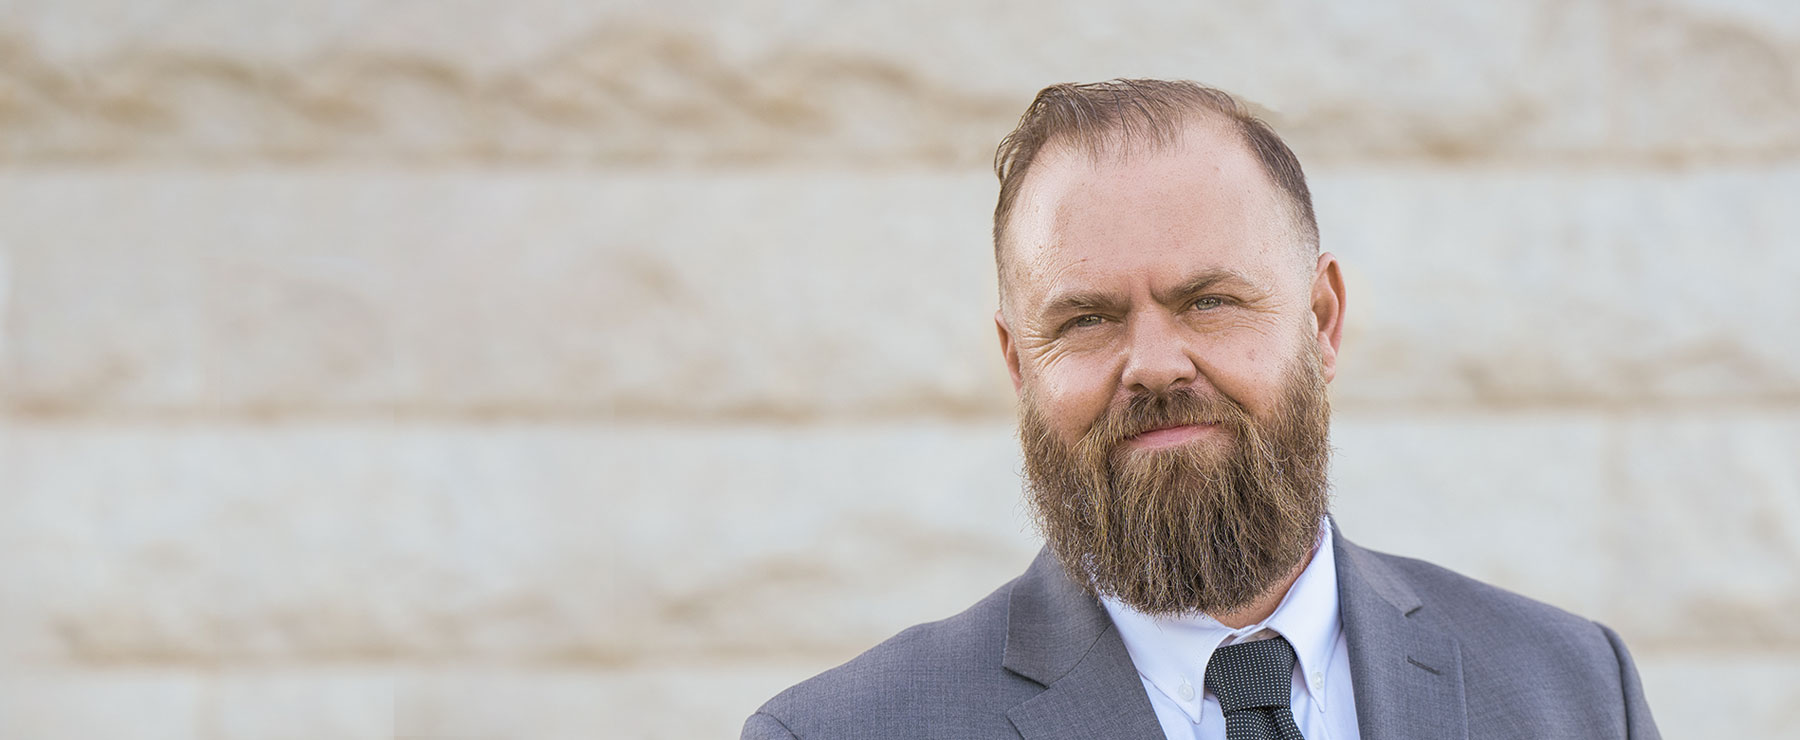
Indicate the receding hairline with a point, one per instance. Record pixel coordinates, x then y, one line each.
1113 147
1116 147
1138 117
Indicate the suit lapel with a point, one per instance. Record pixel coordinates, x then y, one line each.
1060 637
1407 673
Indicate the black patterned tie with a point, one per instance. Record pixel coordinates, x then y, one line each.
1252 681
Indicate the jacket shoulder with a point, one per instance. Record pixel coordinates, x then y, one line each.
1520 651
1473 609
945 674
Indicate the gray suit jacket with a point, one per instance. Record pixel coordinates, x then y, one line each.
1433 655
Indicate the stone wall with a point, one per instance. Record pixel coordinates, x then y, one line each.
572 370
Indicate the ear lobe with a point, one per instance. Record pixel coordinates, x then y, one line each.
1008 349
1328 312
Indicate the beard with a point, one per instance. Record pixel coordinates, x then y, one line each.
1206 526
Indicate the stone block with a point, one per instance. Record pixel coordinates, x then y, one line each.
49 704
1523 501
885 85
1715 500
305 702
1612 289
608 545
819 295
1675 529
1708 79
368 542
785 295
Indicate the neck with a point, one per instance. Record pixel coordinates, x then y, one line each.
1262 606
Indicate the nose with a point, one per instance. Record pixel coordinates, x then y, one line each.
1157 358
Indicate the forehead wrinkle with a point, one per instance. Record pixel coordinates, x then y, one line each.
1097 150
1035 227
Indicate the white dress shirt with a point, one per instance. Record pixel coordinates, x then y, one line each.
1171 653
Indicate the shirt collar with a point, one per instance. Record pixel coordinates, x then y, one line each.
1171 652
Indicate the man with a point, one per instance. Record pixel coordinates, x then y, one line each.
1170 325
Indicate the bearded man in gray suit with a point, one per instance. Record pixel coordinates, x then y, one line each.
1170 325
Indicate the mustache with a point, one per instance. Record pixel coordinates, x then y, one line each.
1144 412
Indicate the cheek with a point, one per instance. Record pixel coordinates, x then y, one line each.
1073 394
1252 372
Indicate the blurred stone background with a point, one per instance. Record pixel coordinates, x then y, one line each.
574 370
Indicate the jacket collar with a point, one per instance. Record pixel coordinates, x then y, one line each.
1407 673
1059 636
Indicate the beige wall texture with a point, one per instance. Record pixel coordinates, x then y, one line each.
596 369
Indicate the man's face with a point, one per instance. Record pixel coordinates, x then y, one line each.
1163 269
1161 320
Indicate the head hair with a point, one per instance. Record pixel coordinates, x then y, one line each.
1124 114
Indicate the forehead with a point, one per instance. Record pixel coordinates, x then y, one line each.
1200 202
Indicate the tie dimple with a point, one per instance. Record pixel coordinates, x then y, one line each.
1252 681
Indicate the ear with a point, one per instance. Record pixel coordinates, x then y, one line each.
1008 348
1328 312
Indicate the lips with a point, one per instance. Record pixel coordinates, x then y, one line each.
1170 435
1165 426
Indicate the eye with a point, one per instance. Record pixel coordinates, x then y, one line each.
1208 302
1084 321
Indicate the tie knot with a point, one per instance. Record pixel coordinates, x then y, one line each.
1252 674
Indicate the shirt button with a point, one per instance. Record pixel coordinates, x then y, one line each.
1186 691
1318 678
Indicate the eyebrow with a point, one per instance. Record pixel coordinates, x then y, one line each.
1089 300
1207 279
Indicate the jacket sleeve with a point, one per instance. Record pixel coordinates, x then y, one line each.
762 726
1638 724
